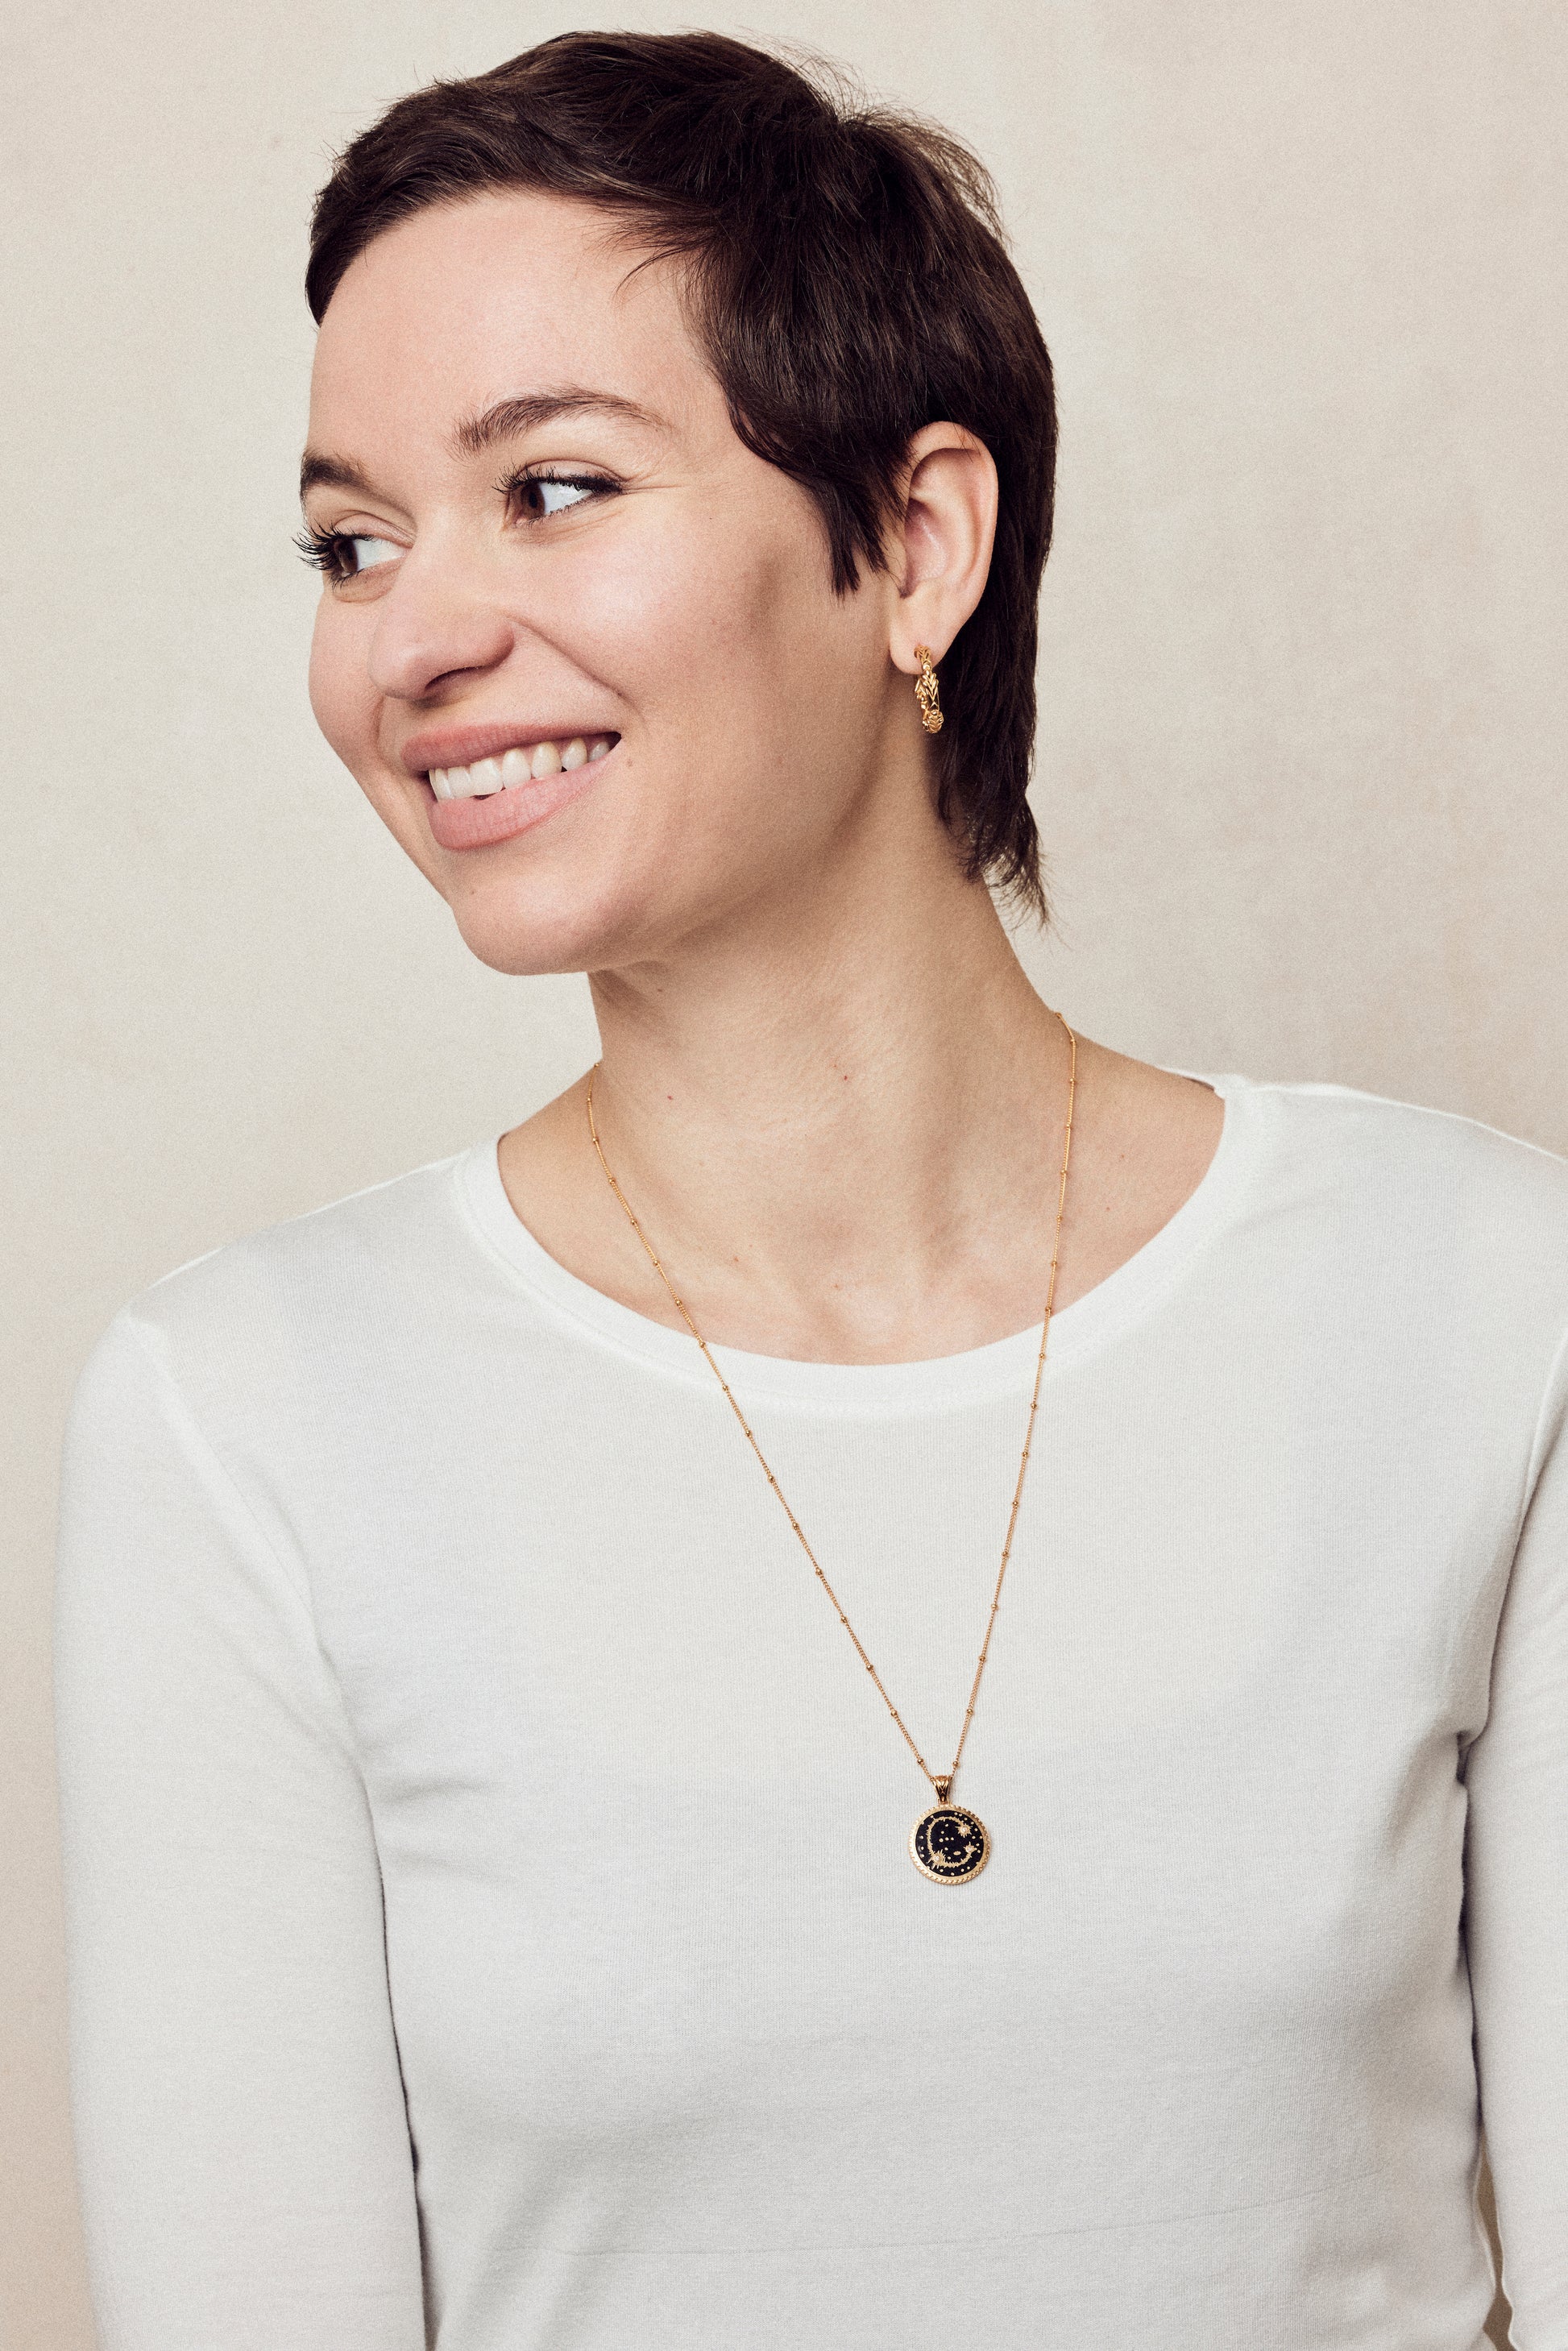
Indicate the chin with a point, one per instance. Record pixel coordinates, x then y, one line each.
546 926
527 944
609 903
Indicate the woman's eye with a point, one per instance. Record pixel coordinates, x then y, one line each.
539 495
365 554
340 555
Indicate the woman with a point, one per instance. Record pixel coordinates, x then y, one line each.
890 1680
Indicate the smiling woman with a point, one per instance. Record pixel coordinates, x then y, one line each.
502 761
519 1626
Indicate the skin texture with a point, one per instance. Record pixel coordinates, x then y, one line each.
828 1086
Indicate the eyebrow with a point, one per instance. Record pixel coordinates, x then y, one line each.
525 411
504 421
317 470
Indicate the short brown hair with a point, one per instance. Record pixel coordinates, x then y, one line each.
848 280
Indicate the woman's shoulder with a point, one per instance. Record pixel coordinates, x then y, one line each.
1431 1197
349 1278
1389 1144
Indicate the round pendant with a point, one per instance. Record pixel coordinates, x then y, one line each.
949 1846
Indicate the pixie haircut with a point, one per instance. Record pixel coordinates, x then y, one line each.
844 271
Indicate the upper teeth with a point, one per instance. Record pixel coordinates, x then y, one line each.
517 766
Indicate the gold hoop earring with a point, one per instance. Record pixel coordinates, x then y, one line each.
926 691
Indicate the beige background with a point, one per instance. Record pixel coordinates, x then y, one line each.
1300 264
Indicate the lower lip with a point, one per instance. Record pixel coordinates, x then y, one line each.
501 816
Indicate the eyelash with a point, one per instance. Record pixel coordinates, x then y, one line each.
526 475
327 551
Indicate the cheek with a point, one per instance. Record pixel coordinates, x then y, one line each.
712 626
342 695
652 609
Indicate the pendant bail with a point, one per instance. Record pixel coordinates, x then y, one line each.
943 1787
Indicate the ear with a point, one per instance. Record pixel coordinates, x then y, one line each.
941 551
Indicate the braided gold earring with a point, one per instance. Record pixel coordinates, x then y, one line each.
926 691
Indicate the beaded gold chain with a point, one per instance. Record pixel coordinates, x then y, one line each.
948 1843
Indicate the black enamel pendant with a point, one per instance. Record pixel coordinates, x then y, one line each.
949 1846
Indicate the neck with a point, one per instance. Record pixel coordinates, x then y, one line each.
834 1134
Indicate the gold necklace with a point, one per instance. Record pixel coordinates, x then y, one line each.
948 1843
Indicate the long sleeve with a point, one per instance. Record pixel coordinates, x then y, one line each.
244 2150
1517 1901
432 1651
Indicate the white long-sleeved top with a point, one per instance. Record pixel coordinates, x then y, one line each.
491 1919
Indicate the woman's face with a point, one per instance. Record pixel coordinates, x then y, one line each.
552 565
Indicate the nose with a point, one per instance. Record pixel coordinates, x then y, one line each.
435 626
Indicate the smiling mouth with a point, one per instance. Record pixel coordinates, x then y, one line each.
522 765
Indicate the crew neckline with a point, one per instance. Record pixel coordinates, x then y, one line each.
1000 1367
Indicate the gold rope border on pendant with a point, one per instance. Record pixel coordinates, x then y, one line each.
941 1783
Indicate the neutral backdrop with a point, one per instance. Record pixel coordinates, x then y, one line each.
1300 264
